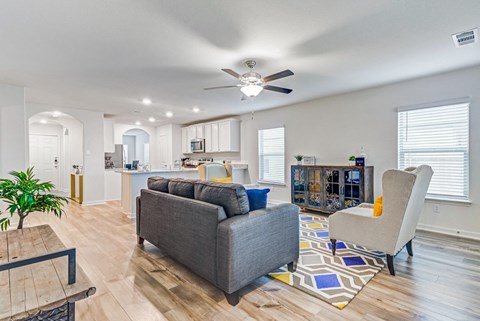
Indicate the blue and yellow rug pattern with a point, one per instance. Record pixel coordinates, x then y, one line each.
334 279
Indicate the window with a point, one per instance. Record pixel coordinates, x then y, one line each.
437 136
271 155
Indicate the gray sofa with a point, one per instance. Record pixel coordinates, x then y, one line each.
209 228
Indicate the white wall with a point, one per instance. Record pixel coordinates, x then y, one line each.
120 129
336 127
13 129
173 150
140 141
71 150
129 141
94 162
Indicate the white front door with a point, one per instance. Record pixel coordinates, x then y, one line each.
45 157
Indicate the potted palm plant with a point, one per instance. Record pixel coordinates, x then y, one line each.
25 194
299 159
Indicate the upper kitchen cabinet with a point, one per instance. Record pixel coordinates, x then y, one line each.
220 136
229 136
108 136
211 138
199 131
185 141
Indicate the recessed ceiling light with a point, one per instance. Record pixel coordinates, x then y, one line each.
151 119
196 109
43 121
56 114
169 114
146 101
138 123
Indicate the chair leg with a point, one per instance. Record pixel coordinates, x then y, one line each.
292 266
409 248
232 298
390 264
140 240
334 246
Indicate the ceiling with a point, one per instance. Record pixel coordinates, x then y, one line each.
107 55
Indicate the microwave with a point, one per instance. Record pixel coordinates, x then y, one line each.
197 145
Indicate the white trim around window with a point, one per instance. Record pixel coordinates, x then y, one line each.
271 156
439 137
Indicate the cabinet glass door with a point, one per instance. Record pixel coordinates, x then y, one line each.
299 190
352 192
314 188
332 189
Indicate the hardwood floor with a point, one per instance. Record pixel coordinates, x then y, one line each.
441 282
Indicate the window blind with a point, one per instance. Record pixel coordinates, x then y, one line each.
437 136
271 155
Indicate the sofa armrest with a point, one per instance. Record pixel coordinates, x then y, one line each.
254 244
137 216
366 205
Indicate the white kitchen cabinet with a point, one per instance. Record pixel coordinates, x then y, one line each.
208 138
108 136
192 133
214 141
199 131
229 136
185 142
220 136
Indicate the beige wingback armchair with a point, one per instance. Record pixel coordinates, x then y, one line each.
214 170
403 197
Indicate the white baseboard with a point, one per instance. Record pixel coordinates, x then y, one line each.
131 216
93 203
111 199
449 231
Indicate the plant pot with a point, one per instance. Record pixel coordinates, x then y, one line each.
351 163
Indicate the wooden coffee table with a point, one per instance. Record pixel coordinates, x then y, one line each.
39 278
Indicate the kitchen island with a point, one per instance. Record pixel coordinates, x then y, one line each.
133 181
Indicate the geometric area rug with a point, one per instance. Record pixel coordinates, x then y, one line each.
334 279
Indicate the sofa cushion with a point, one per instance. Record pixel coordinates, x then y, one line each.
257 198
157 183
181 187
378 206
232 197
222 180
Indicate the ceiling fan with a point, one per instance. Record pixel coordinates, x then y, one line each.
252 83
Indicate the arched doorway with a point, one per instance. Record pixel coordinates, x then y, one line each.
55 147
136 146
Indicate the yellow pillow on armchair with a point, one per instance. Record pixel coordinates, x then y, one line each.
378 206
222 180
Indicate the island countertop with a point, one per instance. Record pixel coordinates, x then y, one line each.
164 171
134 181
156 171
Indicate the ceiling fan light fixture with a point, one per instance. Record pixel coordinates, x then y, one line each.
251 90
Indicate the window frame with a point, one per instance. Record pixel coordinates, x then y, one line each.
260 174
455 103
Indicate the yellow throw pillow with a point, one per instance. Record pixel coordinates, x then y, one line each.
222 180
378 206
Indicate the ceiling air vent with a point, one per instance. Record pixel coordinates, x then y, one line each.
465 38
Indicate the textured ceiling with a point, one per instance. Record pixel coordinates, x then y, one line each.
107 55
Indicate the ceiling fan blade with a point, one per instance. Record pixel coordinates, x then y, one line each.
278 75
278 89
232 73
220 87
